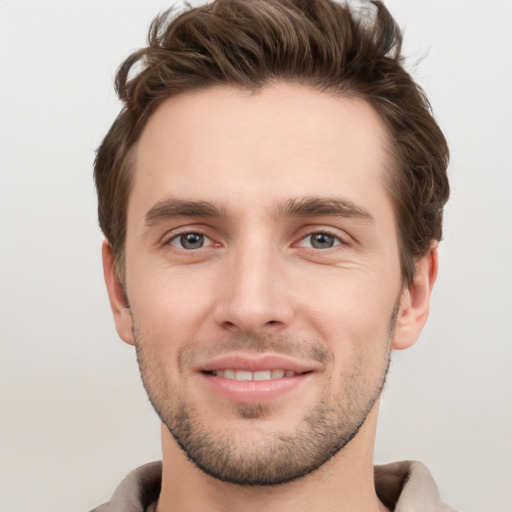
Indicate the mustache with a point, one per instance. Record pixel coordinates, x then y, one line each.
307 349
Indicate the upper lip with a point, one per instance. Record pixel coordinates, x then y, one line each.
256 362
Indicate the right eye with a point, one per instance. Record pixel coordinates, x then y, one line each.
320 240
190 241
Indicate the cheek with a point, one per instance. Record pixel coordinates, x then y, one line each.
350 304
169 308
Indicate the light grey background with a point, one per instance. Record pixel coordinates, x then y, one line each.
74 418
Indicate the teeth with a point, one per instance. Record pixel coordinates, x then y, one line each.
259 375
263 375
229 374
243 375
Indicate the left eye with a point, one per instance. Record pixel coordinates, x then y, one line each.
320 241
190 241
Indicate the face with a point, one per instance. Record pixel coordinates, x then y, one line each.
262 274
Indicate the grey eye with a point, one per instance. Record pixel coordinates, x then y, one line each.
190 241
322 240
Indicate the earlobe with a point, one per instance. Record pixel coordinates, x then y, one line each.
415 301
116 295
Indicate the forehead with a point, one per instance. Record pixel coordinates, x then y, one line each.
238 147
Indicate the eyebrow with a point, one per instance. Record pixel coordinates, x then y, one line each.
303 207
171 208
320 206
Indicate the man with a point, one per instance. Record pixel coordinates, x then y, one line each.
271 197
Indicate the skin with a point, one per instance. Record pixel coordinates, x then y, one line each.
259 284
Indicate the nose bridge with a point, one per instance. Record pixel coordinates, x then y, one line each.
254 297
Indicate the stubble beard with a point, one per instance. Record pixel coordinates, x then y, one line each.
273 458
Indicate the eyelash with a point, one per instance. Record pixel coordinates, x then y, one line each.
179 236
337 240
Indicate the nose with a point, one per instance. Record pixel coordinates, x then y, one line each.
253 297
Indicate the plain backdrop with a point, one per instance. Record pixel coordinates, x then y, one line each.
73 416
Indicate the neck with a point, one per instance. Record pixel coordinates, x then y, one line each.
345 483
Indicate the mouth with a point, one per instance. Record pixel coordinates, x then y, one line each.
260 375
250 379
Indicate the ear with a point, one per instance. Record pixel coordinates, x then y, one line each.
116 295
415 301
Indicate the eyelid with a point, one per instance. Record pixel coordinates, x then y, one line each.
208 242
304 233
176 233
307 239
341 238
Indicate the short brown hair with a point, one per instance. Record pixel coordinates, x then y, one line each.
249 43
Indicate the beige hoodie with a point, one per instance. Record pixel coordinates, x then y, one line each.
404 486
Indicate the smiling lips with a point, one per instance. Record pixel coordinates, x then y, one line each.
242 378
244 375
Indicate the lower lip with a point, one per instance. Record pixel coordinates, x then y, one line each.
253 391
